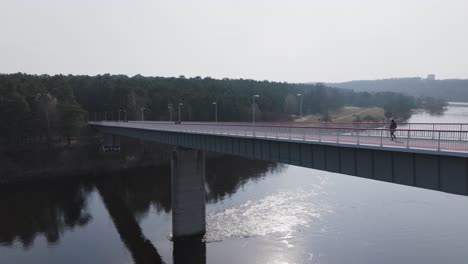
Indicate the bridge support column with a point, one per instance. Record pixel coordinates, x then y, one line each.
188 193
108 139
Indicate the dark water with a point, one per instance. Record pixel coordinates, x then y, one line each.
258 212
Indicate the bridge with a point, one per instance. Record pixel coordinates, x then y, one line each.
425 155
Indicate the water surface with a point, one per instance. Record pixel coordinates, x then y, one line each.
257 212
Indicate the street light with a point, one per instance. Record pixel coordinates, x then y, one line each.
169 106
253 107
300 95
180 105
142 113
216 111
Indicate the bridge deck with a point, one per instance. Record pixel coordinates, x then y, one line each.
430 159
446 142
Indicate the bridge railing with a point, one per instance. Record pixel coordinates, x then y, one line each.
439 140
365 125
321 124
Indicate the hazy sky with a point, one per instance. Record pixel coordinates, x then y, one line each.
293 40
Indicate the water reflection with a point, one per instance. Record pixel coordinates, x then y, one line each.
189 251
281 214
141 249
52 208
47 209
142 189
226 174
127 198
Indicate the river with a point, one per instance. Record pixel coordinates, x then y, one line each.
257 212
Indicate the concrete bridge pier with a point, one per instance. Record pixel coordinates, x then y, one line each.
188 193
107 139
189 251
111 140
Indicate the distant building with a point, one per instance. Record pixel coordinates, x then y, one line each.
431 77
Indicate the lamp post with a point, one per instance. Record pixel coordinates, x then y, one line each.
216 111
169 106
142 113
180 105
253 108
300 111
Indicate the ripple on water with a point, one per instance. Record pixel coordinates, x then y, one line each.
282 213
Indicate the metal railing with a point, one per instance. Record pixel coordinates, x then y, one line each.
112 116
365 125
428 139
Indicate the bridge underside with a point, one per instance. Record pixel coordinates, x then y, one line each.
429 171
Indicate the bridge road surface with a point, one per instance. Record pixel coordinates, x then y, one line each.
442 142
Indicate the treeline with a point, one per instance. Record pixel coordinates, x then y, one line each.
277 101
455 90
45 107
395 105
35 109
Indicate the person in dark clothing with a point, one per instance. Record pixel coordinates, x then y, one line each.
393 127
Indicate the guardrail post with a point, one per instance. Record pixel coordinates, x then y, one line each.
438 143
433 130
407 138
289 133
459 134
381 135
320 135
337 136
358 136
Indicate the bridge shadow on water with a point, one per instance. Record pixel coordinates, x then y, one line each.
52 208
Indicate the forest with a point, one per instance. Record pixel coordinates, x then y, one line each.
44 108
454 90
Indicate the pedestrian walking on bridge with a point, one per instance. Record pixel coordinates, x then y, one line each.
393 127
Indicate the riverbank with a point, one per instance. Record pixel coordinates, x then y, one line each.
84 158
25 163
351 114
